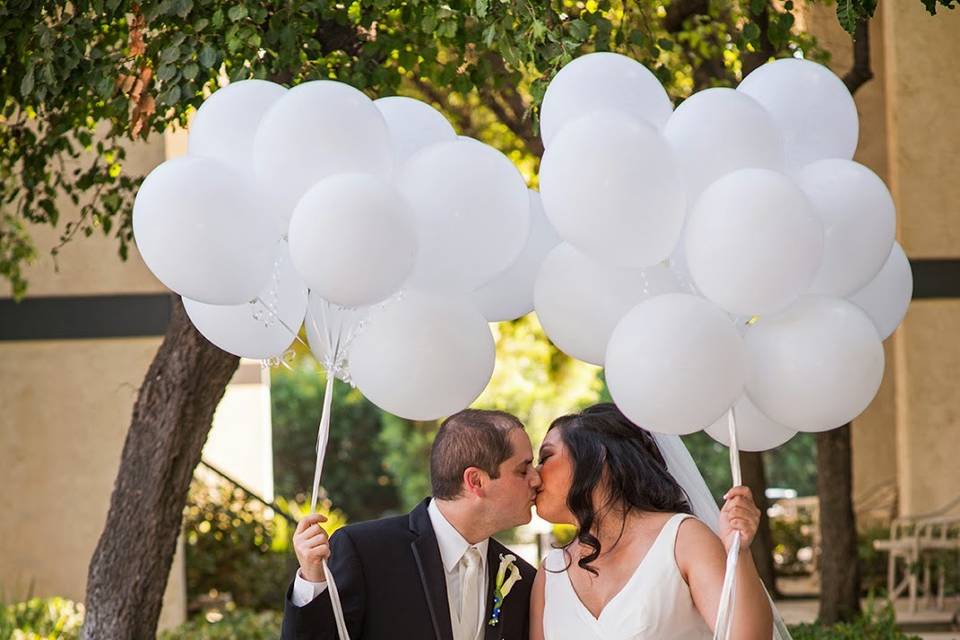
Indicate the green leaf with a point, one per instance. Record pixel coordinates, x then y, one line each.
200 24
481 8
170 54
758 6
847 15
26 85
665 44
237 12
184 7
166 72
190 71
208 56
751 32
579 29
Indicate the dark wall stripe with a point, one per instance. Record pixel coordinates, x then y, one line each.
120 316
935 278
84 317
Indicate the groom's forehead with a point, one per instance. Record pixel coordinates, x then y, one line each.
521 443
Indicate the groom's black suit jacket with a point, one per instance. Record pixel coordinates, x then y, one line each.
392 585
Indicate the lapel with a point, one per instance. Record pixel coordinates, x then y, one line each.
426 553
493 563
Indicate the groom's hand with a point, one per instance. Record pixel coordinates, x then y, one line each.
312 547
739 513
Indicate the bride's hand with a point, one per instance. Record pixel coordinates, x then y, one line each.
741 514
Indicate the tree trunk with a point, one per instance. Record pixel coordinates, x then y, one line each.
171 418
840 569
754 476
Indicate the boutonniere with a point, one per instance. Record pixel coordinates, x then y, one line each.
503 585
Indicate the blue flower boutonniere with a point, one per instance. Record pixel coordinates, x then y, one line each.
503 585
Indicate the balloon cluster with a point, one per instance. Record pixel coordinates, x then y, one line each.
393 238
728 253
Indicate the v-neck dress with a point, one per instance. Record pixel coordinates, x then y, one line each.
654 603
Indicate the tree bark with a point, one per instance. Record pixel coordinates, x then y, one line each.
754 476
171 418
839 563
840 570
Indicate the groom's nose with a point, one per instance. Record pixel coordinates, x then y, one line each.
534 478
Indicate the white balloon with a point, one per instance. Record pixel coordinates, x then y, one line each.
315 130
610 187
675 363
816 366
579 300
352 239
885 298
198 228
472 214
753 242
226 122
859 223
331 330
261 329
755 431
812 107
600 81
423 357
716 131
413 125
510 294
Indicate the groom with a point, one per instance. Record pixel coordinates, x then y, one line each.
430 574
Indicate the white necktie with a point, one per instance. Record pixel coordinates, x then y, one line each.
469 595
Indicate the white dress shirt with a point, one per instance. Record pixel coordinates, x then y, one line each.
452 546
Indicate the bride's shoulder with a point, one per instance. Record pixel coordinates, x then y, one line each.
696 541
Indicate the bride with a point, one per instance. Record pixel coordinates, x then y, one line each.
641 565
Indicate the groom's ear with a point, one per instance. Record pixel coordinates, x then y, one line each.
475 481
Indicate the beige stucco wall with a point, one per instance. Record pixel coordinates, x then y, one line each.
66 408
910 136
922 88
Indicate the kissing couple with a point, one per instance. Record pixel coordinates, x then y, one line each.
647 560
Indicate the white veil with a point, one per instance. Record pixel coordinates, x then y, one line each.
681 466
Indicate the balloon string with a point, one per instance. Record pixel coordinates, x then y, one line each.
723 629
323 436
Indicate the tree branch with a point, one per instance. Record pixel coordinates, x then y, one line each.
679 10
861 72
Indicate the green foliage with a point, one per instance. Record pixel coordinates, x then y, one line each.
236 624
83 79
237 546
41 619
356 475
872 625
534 380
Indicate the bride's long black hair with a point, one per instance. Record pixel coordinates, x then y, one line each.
608 449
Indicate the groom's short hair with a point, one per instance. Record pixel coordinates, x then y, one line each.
471 438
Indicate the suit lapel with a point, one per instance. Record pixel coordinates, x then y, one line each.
430 567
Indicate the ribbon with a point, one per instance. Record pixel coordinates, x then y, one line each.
323 436
723 630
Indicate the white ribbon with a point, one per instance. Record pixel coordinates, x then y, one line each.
323 435
723 630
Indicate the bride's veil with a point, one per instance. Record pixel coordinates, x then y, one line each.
681 466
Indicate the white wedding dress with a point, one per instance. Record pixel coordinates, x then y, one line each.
654 603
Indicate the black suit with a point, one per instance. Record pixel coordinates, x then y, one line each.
392 585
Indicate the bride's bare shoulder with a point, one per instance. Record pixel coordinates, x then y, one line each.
696 543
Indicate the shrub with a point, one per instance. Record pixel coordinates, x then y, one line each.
872 625
41 619
238 624
238 549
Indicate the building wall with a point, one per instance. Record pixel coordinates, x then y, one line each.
66 409
910 136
